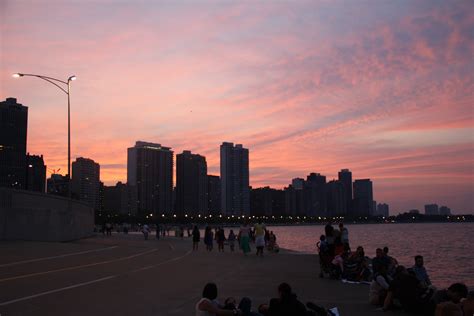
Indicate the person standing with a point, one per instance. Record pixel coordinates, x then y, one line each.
231 238
145 231
208 238
157 231
220 237
244 235
344 234
196 237
259 231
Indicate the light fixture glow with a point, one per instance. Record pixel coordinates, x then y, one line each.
17 75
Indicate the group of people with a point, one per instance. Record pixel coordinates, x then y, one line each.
285 304
258 234
391 285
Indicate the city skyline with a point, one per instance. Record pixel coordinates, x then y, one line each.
389 98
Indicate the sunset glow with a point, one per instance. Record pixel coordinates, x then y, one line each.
307 87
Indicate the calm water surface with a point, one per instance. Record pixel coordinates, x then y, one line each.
447 248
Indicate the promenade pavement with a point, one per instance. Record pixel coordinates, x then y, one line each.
126 275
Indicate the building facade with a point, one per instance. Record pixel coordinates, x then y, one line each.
383 210
431 209
191 184
336 199
315 195
13 131
235 191
85 181
35 173
150 176
345 177
363 198
213 195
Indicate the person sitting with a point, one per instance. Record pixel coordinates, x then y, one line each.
208 306
380 259
379 286
286 304
393 263
468 304
454 293
420 271
356 267
410 293
337 264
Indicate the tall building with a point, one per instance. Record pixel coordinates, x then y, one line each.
315 195
191 183
118 199
345 177
267 201
213 194
57 184
235 191
294 198
431 209
363 198
150 175
85 181
336 199
383 210
444 210
13 130
35 173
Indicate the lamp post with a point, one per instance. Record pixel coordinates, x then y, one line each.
55 82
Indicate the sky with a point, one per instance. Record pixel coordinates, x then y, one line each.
384 88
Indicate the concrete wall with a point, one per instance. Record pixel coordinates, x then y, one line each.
27 215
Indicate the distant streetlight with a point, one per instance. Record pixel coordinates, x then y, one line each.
55 81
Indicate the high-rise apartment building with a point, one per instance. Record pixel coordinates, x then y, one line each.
150 175
336 199
444 210
315 195
235 191
213 194
191 184
35 173
363 198
57 184
382 210
345 177
85 182
13 131
431 209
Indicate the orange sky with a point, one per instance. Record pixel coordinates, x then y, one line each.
382 88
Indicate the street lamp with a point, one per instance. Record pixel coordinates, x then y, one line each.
55 82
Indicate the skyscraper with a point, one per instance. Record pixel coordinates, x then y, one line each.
363 197
150 175
315 195
336 202
191 183
85 182
35 173
213 194
13 129
345 177
235 192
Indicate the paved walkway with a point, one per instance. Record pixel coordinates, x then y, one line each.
124 275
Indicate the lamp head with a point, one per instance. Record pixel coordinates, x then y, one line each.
72 78
17 75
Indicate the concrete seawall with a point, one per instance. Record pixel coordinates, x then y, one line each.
26 215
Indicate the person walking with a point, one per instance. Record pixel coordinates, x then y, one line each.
208 238
244 234
145 231
231 238
344 234
196 237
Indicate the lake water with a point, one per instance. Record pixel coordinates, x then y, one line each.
448 248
